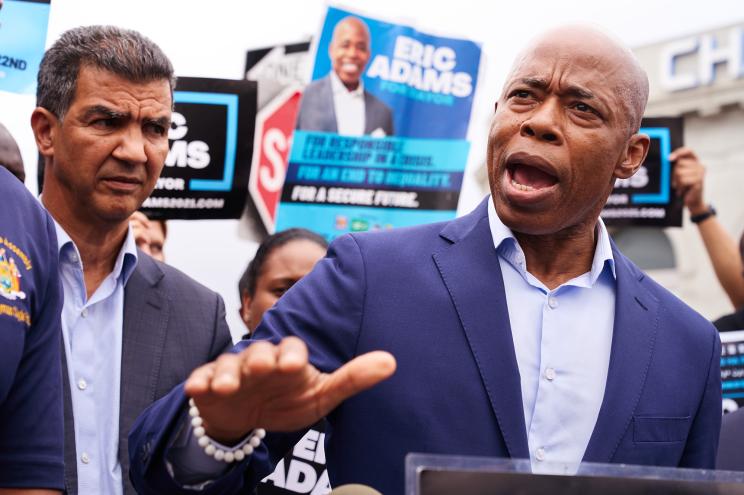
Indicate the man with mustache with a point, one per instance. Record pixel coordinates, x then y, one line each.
133 328
518 330
338 102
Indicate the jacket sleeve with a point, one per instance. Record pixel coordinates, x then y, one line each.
325 309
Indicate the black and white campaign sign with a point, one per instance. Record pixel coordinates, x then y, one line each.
211 146
303 469
648 197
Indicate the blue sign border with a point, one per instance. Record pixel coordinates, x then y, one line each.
662 197
231 102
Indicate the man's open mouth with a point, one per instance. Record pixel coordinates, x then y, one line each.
530 173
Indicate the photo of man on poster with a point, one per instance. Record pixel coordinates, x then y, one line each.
338 102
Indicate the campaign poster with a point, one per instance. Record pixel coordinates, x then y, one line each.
732 370
648 197
23 31
211 144
381 134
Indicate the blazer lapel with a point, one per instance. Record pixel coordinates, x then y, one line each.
146 312
633 339
471 272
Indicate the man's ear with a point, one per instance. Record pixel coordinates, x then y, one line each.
634 155
44 124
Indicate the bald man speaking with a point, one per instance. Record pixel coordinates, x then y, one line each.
518 330
338 102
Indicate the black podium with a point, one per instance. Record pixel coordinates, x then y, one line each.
450 475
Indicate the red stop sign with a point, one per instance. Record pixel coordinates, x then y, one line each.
274 127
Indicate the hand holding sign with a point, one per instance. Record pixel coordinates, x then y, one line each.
727 258
688 179
275 387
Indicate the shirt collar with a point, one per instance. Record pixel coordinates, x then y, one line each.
338 87
126 260
504 241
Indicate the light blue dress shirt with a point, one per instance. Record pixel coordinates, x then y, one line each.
92 332
562 340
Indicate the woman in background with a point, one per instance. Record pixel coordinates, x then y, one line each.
281 260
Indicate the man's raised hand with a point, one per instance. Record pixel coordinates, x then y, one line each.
275 387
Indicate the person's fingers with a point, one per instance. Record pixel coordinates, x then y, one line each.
689 175
259 358
355 376
682 152
686 178
686 165
292 355
227 371
200 380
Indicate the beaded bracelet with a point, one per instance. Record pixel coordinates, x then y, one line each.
216 450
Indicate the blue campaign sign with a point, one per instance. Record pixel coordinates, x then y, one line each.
732 370
661 196
648 197
381 134
429 81
23 30
224 183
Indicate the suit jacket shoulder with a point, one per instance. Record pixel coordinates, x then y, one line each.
689 323
165 306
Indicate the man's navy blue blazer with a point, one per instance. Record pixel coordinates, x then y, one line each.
433 296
